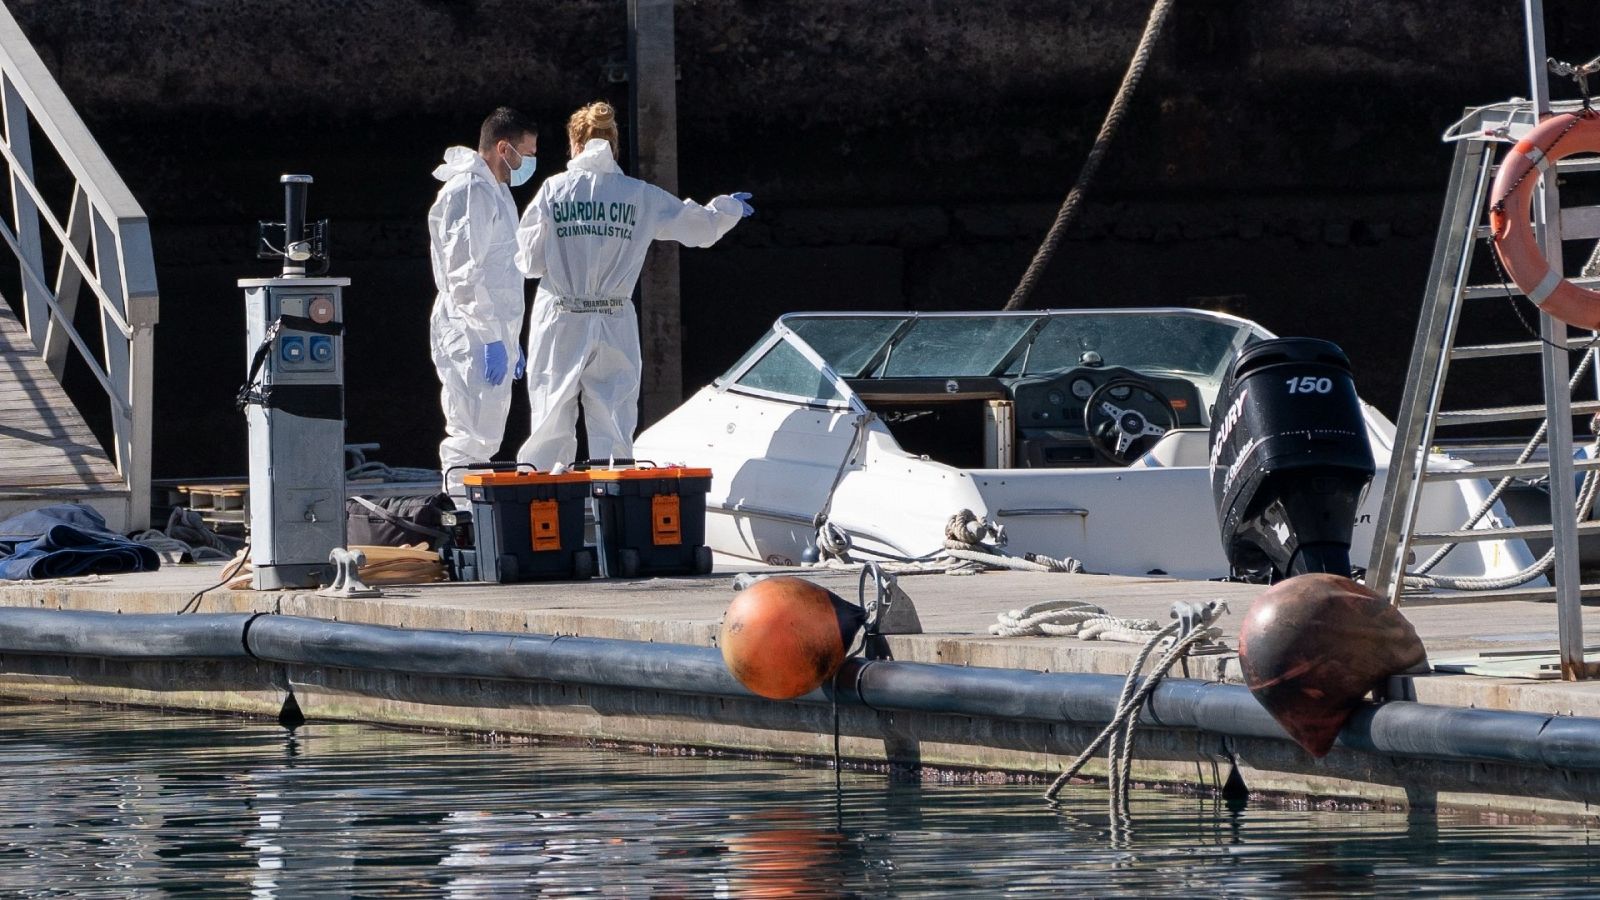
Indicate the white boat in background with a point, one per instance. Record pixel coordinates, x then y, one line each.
1085 433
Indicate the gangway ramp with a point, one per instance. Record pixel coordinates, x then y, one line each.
48 454
77 294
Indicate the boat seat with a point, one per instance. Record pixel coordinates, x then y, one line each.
1178 448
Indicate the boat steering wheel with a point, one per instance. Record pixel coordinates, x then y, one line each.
1117 418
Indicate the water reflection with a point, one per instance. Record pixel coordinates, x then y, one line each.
112 802
783 852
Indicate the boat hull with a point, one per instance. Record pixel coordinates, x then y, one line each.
777 467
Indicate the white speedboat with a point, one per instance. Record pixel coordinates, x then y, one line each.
1085 433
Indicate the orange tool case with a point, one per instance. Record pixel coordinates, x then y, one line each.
652 520
529 525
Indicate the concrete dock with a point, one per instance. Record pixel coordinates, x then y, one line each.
955 613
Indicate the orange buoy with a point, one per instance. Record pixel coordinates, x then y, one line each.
1311 646
783 637
1514 239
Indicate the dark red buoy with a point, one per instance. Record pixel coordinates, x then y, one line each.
1312 646
783 637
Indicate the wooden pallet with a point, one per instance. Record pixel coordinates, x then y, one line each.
215 498
224 505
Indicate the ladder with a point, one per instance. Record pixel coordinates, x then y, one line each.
1463 230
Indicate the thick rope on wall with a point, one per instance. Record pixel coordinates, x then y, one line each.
1091 164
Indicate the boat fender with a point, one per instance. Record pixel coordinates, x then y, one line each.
783 637
1312 646
1510 220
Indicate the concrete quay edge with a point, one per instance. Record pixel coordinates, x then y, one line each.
630 613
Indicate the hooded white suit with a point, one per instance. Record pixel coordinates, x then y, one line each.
472 239
585 235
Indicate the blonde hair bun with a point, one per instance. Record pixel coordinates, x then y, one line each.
597 120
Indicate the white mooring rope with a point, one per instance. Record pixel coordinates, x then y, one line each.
1120 730
964 536
1086 621
1072 618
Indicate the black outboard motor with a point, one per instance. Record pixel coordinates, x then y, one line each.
1289 459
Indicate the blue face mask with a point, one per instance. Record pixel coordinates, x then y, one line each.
521 174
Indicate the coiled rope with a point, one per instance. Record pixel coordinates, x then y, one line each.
186 539
965 550
1097 153
362 469
964 535
368 471
1073 618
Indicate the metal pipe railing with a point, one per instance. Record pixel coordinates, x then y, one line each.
1557 394
105 223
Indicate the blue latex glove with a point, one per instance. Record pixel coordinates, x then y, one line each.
745 209
522 366
494 362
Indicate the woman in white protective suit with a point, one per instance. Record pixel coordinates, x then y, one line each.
585 235
476 324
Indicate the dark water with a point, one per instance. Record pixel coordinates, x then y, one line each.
110 803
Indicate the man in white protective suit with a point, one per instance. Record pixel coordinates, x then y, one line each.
585 236
476 324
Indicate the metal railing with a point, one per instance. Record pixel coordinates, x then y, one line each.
104 247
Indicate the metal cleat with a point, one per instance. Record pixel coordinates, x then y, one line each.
1192 616
889 610
746 579
347 575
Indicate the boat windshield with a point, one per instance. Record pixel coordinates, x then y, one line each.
1192 345
951 345
848 344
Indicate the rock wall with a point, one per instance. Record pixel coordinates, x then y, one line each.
1281 160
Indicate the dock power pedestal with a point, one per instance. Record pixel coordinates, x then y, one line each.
293 400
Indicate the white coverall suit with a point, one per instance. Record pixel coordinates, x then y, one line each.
585 235
472 231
